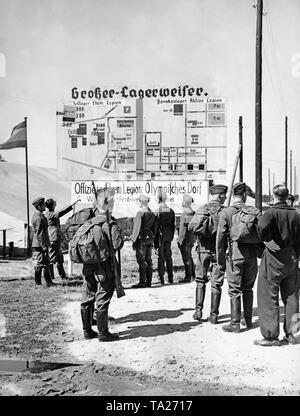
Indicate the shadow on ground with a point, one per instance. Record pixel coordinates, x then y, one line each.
146 331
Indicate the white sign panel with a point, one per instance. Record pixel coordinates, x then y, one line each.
127 194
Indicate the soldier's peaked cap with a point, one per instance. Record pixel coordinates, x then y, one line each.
144 198
38 201
239 188
218 189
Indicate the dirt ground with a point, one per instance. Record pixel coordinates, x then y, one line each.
161 351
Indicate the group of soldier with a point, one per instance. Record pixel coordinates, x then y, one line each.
278 246
218 253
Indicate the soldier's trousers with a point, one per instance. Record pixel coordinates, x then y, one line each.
165 256
55 253
98 288
143 254
204 261
56 257
241 277
41 258
268 304
186 254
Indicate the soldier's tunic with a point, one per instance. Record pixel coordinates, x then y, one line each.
40 241
143 234
55 253
242 266
278 270
186 242
99 283
164 236
206 248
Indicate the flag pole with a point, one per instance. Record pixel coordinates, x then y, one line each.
27 191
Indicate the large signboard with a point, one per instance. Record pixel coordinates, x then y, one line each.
127 194
142 138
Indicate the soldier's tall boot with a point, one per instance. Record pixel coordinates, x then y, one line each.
47 277
235 306
86 317
149 277
61 271
143 278
248 309
214 308
38 277
51 271
200 295
102 325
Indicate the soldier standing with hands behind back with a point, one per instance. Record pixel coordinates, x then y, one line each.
164 236
186 238
143 234
40 243
279 228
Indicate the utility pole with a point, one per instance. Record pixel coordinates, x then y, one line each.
295 187
258 107
286 152
269 185
273 179
291 171
241 144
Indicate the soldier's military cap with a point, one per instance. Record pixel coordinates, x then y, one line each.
187 199
218 189
239 188
144 198
38 201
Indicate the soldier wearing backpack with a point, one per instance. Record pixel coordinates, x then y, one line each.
238 228
164 236
90 246
279 228
186 238
204 225
143 235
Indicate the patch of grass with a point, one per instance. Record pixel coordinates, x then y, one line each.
33 322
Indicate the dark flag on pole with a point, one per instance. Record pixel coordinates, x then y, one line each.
18 137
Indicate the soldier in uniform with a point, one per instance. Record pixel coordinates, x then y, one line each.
206 248
279 228
186 238
242 263
40 243
164 236
55 253
143 234
99 281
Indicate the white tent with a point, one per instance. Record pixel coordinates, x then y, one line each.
15 234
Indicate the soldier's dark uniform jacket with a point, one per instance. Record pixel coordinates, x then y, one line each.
186 241
164 236
40 244
54 223
278 269
241 264
54 233
99 278
143 235
40 231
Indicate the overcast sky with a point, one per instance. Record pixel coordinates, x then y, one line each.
51 46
